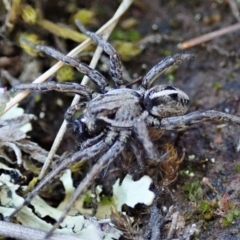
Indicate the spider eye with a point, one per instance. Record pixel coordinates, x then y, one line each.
79 126
174 96
166 101
169 88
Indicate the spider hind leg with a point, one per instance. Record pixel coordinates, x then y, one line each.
115 148
83 155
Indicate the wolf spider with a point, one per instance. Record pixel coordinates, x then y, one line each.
117 114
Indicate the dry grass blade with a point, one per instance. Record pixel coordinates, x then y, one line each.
209 36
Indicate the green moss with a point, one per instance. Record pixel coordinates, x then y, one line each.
217 86
230 217
131 35
165 52
85 16
237 168
204 206
236 212
31 185
106 200
193 191
127 50
33 38
87 199
29 14
206 209
65 73
37 98
170 77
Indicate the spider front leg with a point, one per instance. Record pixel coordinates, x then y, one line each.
77 125
115 62
162 66
71 110
93 74
76 88
107 158
91 141
186 121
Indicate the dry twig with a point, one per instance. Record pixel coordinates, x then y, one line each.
26 233
209 36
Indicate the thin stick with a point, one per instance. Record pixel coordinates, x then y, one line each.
208 36
122 8
26 233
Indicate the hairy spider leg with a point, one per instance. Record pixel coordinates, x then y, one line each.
68 116
76 88
186 121
141 131
93 74
94 140
116 123
77 126
83 155
138 151
115 62
142 135
162 66
116 148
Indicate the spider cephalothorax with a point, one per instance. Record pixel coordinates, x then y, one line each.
113 116
122 106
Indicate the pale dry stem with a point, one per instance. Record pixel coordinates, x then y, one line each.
26 233
209 36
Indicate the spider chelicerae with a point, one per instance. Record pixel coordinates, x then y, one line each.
113 116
